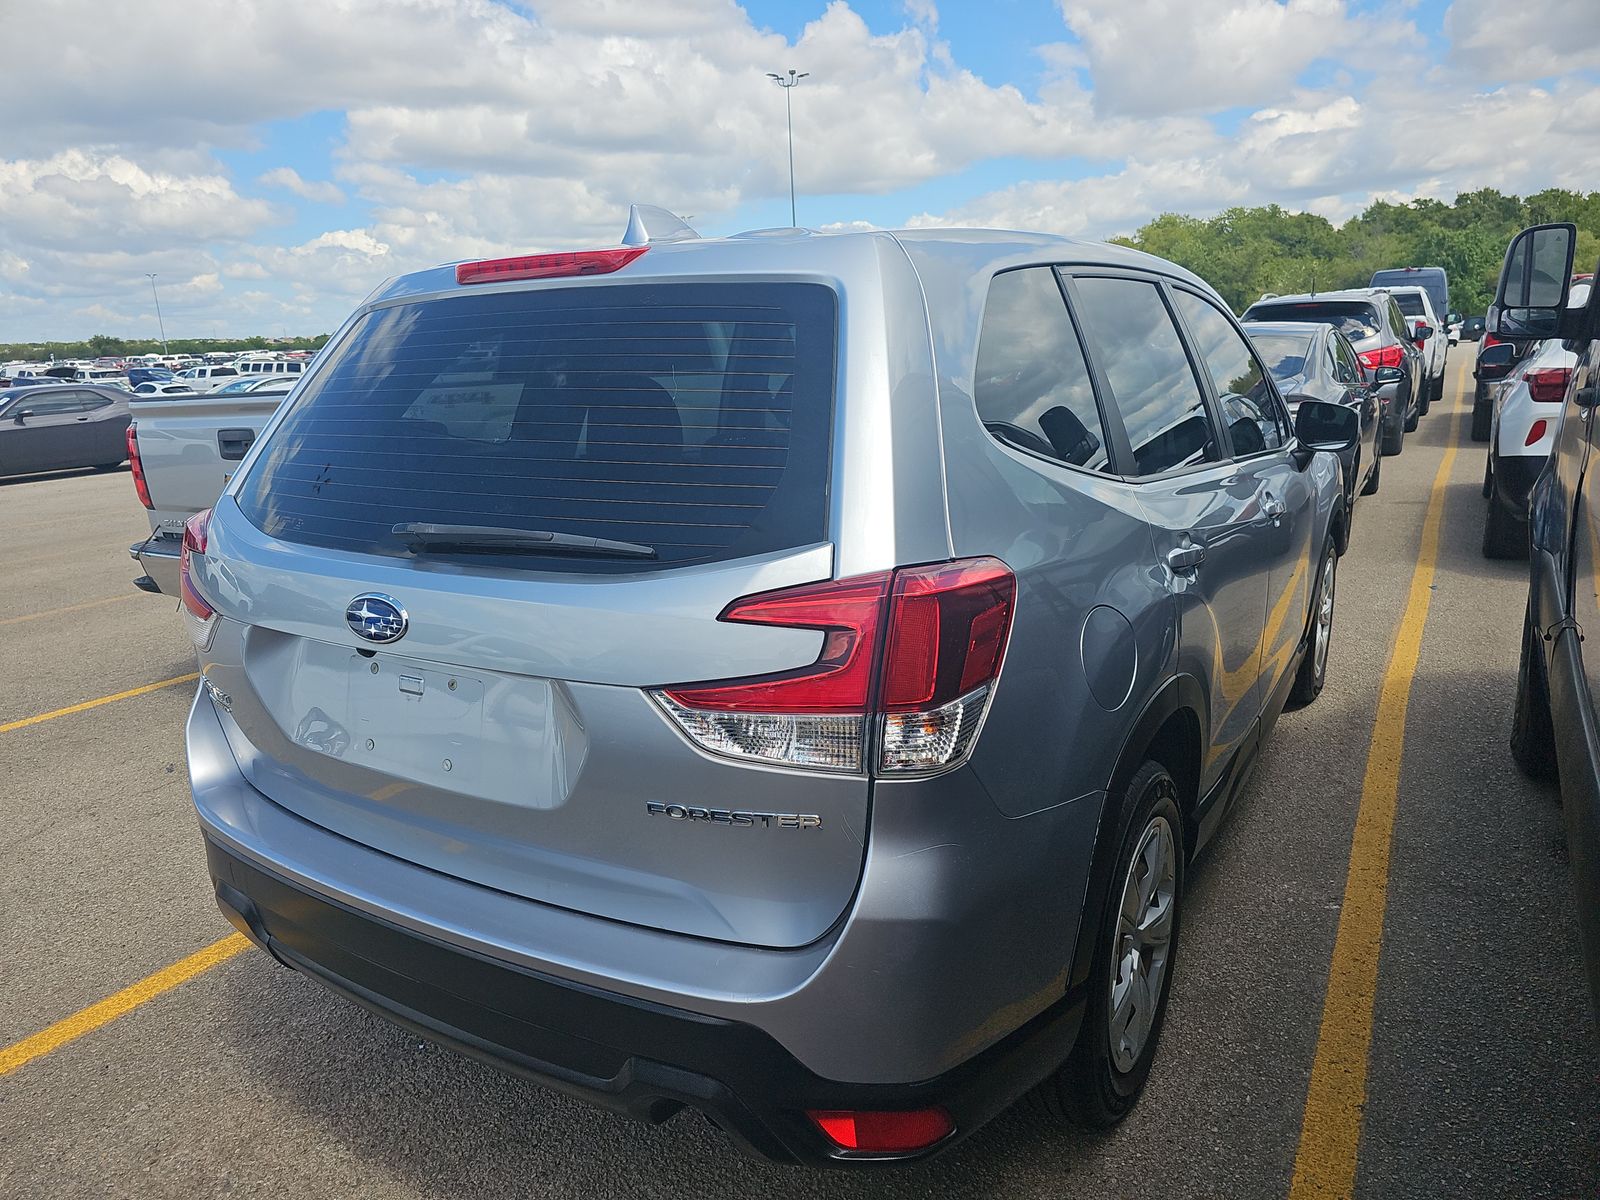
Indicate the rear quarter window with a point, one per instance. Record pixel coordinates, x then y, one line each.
692 418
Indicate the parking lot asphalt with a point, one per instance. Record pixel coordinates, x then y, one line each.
1483 1077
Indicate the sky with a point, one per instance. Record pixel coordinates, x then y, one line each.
273 161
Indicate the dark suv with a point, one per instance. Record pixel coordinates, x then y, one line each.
786 676
1373 322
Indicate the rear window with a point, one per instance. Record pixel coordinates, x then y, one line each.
1353 318
1410 303
1285 354
691 418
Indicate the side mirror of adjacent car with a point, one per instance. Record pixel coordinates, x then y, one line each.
21 416
1424 332
1496 362
1319 425
1386 375
1531 297
1453 318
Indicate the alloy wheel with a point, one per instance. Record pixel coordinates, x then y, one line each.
1144 942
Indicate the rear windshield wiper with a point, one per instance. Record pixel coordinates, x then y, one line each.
491 539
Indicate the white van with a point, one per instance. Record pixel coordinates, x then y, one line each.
270 366
207 379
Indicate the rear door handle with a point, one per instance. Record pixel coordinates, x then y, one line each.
1185 558
234 444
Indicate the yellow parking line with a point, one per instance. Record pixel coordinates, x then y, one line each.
88 704
56 612
102 1012
1330 1130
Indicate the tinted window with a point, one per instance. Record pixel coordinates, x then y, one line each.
1351 372
1410 303
1033 388
1397 322
1137 346
693 418
1244 397
1284 353
1356 319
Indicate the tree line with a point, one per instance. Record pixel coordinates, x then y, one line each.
1247 252
103 346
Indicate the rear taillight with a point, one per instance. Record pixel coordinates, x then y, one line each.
140 487
202 617
919 648
548 266
1384 356
1548 385
1536 431
884 1132
1489 339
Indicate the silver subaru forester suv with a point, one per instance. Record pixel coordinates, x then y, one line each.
785 675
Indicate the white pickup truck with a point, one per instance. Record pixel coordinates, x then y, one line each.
182 451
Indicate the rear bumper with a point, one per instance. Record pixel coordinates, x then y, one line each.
945 983
159 558
646 1061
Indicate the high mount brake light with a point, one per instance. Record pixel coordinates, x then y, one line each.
140 487
919 647
1548 385
201 616
548 266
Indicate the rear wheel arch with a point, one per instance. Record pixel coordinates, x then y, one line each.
1169 730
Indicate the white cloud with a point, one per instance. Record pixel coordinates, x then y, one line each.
1539 39
1149 57
318 190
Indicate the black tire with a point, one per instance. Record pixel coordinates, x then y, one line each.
1313 672
1533 736
1503 535
1413 417
1482 416
1438 386
1394 439
1488 475
1370 488
1089 1090
1427 398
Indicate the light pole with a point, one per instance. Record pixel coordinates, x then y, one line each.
788 85
151 275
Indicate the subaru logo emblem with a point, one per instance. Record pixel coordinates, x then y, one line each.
376 618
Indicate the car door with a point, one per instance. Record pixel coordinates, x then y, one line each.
1259 436
39 431
1203 513
104 431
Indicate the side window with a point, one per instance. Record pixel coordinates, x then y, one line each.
93 401
1033 388
1398 320
1133 339
1352 372
1244 396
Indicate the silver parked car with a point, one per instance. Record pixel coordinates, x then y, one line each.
786 676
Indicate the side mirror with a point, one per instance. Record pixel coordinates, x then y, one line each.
21 416
1535 280
1424 332
1322 426
1496 362
1386 375
1453 318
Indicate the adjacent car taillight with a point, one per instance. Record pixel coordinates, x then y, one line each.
1548 385
908 663
201 616
1383 356
140 487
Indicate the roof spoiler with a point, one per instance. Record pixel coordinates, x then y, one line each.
647 223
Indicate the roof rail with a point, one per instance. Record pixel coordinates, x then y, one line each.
647 223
